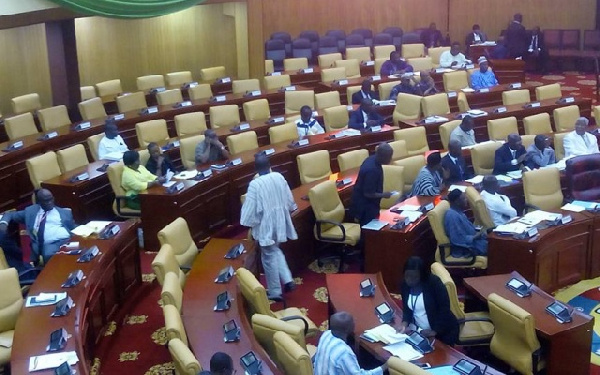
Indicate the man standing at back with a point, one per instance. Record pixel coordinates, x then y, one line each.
266 211
516 37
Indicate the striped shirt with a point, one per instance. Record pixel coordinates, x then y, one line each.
427 183
335 357
267 208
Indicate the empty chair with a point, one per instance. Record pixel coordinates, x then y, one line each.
385 89
335 118
355 40
327 99
276 82
351 65
445 131
171 293
283 133
352 159
149 82
245 141
408 107
312 36
269 67
399 366
411 38
174 324
72 158
201 91
169 97
499 129
435 54
383 39
542 189
333 74
151 131
313 166
115 173
177 234
26 103
190 123
257 110
183 359
548 92
415 138
412 165
275 50
399 150
434 105
366 34
109 89
410 51
383 51
187 148
92 109
302 47
420 63
462 102
340 36
393 180
482 157
582 174
294 100
293 358
20 126
328 44
212 74
224 116
296 63
565 117
358 53
165 262
537 124
328 60
131 102
396 34
515 97
42 167
87 92
286 38
242 86
10 306
93 141
178 79
454 81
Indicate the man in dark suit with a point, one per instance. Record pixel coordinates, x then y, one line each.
454 164
510 156
432 37
365 117
48 226
516 37
364 93
476 36
537 51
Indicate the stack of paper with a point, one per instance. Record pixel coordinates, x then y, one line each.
412 216
504 178
384 102
488 43
186 175
386 334
375 225
351 132
542 215
45 299
572 207
403 351
477 112
511 228
436 119
462 188
94 226
476 180
46 361
467 89
516 175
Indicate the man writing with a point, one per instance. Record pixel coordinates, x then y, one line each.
453 58
211 149
497 204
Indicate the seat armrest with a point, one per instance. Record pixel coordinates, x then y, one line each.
118 199
185 268
468 261
481 319
297 317
320 237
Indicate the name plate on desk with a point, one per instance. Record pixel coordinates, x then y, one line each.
238 161
452 94
440 70
300 143
375 78
532 105
276 120
149 110
274 74
368 63
470 66
500 110
268 152
186 103
240 127
80 177
340 134
566 219
15 146
306 70
117 117
349 108
341 82
516 85
430 120
529 233
375 129
157 90
189 85
566 100
48 136
288 88
481 91
175 188
427 207
218 98
253 93
83 126
224 80
204 174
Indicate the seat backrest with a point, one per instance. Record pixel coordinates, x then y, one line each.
283 133
415 138
393 180
42 167
326 203
514 339
355 41
264 328
149 82
542 188
171 293
72 158
378 63
327 99
412 165
183 359
174 324
462 102
187 147
591 40
328 60
92 109
165 262
328 44
115 173
383 39
201 91
420 63
399 150
399 366
237 143
276 82
385 89
87 92
413 50
445 131
436 220
212 74
54 117
257 110
455 80
435 105
93 141
435 54
333 74
515 97
254 292
552 38
151 131
190 123
177 234
224 116
276 50
294 100
352 159
110 88
241 86
479 208
26 103
408 107
295 63
335 118
383 51
293 358
169 97
551 91
570 39
583 175
177 79
131 102
499 129
537 124
358 53
313 166
269 67
302 47
440 271
352 67
565 117
482 157
11 299
20 126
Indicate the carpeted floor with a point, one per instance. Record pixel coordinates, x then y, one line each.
135 344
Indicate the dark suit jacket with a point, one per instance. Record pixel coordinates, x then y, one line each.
427 35
456 173
503 157
357 96
166 165
357 120
470 38
437 307
27 217
516 39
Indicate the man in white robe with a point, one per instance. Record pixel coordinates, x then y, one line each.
579 141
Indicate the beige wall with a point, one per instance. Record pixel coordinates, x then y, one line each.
8 7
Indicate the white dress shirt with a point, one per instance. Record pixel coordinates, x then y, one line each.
576 144
446 60
53 231
463 137
417 305
311 127
109 146
499 207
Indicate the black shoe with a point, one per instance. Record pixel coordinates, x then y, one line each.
288 287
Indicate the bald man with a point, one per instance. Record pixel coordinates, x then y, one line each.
334 356
210 149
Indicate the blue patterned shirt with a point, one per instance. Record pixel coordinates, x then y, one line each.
482 80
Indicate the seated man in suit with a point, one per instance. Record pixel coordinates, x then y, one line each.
499 205
453 58
430 179
432 37
365 116
364 93
306 124
49 227
220 364
484 77
111 146
579 141
395 65
510 156
464 133
476 36
462 233
539 154
158 163
405 86
454 164
210 149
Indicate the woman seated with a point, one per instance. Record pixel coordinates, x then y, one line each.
426 304
136 178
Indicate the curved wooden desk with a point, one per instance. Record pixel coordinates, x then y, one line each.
110 279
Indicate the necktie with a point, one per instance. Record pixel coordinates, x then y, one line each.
513 152
41 230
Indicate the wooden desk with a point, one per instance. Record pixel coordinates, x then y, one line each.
110 280
566 347
343 296
203 325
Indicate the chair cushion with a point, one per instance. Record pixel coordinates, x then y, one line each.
5 352
480 261
477 330
352 233
294 311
